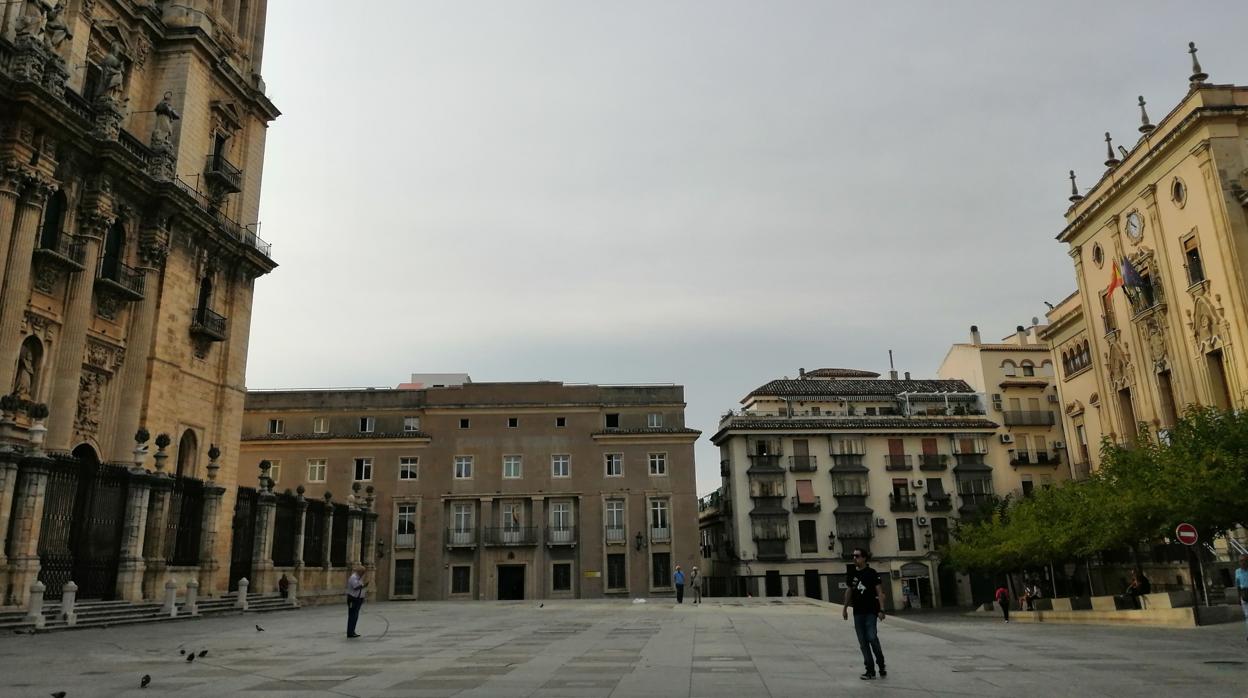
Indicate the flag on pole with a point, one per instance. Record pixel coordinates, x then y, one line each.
1130 277
1115 279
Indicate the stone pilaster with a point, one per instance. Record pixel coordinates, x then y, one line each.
131 567
355 533
132 378
11 177
213 494
368 535
8 486
154 539
262 577
541 557
16 289
32 488
67 368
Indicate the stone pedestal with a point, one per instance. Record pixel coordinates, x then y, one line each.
170 605
32 487
55 74
208 565
163 164
109 113
34 614
191 607
155 539
132 565
69 597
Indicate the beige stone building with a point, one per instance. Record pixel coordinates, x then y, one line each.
1016 380
839 458
131 153
487 490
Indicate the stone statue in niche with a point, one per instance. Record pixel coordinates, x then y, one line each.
24 381
112 73
56 31
162 130
32 24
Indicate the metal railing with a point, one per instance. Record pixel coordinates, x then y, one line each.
796 505
116 273
902 502
510 535
1028 418
893 462
561 535
218 168
615 534
803 464
67 249
933 461
941 503
234 229
208 323
769 460
660 534
463 537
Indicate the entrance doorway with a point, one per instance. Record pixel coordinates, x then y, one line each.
510 582
916 581
812 585
80 534
773 583
948 586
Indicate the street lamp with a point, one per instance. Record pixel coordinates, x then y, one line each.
640 541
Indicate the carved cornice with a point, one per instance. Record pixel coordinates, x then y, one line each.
102 356
36 188
94 223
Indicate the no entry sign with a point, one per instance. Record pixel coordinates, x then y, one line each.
1186 533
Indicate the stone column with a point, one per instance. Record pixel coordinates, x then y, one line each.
11 175
130 567
16 289
156 539
132 378
262 551
63 405
301 515
327 540
32 487
355 526
368 535
213 494
541 558
8 486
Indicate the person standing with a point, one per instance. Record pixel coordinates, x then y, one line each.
356 586
1003 598
1241 585
678 578
695 582
865 595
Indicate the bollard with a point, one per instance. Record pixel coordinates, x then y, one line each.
292 593
191 607
171 599
68 598
241 601
35 613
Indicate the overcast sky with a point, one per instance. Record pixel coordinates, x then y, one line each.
712 194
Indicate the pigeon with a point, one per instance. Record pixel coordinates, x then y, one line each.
541 605
259 629
190 657
181 651
58 694
147 678
202 653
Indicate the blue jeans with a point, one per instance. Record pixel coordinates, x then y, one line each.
353 613
1243 605
869 640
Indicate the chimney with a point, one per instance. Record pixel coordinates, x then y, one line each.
892 372
975 335
1021 333
801 374
907 375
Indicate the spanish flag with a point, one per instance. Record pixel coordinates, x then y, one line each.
1115 279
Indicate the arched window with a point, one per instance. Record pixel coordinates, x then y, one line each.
29 369
1066 366
1009 368
1046 368
114 250
188 454
53 221
1029 369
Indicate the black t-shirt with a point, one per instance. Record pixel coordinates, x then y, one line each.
862 586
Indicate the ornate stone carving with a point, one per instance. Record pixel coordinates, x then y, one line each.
39 326
1074 408
95 223
142 47
162 128
1206 323
1118 359
1154 332
104 357
12 176
107 305
36 189
108 117
45 277
90 397
56 31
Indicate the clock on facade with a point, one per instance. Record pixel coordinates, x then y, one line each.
1135 226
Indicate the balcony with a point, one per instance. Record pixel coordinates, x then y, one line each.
803 464
768 504
208 325
805 507
461 537
220 173
1028 418
511 535
660 534
964 462
765 463
724 468
940 503
65 252
771 548
933 461
902 502
848 462
561 535
122 280
892 462
405 540
615 535
1080 471
973 503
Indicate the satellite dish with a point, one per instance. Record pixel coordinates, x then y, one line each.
1035 320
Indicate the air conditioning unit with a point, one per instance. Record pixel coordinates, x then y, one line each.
881 522
916 484
1053 398
922 520
1007 438
1059 444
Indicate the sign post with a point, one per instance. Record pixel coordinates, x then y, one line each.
1186 534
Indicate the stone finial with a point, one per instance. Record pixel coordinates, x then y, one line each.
1198 75
299 491
213 466
370 497
1111 158
162 442
328 496
1075 196
1145 125
142 436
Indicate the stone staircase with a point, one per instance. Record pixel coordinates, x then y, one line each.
103 614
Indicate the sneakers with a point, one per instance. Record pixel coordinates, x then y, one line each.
867 676
354 635
883 672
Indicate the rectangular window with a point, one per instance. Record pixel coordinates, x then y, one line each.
905 534
407 467
658 464
404 577
461 579
615 464
561 465
615 513
1191 257
512 516
660 522
411 424
654 420
1028 485
561 516
511 467
275 470
464 423
561 576
617 577
661 569
461 517
561 421
463 467
405 526
316 470
1029 370
363 469
513 422
613 420
940 532
320 425
807 536
277 426
367 424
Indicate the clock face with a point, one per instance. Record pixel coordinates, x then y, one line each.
1135 225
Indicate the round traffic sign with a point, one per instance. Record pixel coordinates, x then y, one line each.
1186 533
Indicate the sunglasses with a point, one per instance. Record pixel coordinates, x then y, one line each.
859 555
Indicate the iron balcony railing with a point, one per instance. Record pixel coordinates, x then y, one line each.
803 464
461 537
219 170
902 502
561 535
1028 418
405 540
933 461
511 535
767 461
971 502
65 251
235 230
938 503
799 506
206 323
615 534
660 534
123 279
771 548
893 462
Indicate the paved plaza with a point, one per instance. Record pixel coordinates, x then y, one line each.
756 647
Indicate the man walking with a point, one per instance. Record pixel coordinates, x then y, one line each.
679 579
1241 585
1003 599
355 598
865 595
695 581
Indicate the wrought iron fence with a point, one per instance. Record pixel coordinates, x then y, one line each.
244 537
314 534
285 519
186 515
338 544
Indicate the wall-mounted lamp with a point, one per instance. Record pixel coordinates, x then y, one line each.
640 541
381 548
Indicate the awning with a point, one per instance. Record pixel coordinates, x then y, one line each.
805 492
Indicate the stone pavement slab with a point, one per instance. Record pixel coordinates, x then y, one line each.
617 649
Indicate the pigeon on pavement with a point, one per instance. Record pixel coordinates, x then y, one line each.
259 629
190 657
58 694
181 651
147 678
202 653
